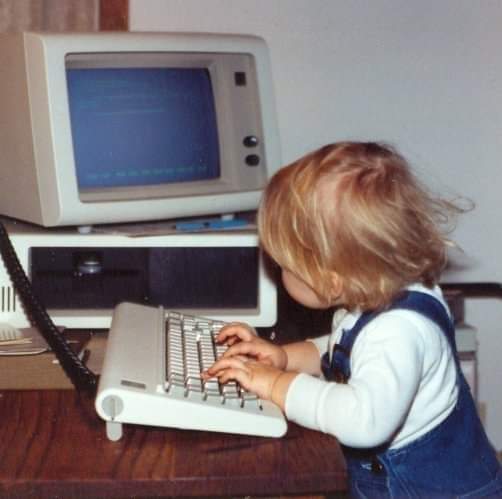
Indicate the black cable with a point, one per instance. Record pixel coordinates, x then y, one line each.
81 377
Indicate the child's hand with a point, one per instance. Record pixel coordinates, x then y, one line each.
245 342
236 331
256 377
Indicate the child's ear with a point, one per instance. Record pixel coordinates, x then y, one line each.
337 285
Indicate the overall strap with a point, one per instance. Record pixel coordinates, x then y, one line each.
338 367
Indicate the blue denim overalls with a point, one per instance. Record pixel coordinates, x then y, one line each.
454 459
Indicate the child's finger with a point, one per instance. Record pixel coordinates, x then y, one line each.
234 332
226 363
243 348
234 374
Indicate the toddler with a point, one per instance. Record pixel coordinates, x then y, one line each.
350 226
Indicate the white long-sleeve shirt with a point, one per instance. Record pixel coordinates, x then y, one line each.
402 383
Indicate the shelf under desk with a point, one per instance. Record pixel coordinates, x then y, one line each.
52 444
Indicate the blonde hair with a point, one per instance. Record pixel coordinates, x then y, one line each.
357 210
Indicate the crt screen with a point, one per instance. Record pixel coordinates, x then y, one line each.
142 126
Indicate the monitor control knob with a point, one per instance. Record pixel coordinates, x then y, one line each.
252 160
251 141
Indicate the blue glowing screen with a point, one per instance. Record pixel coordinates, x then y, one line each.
142 126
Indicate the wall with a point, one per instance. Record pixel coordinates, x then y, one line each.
425 76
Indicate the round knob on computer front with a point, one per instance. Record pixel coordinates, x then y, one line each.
250 141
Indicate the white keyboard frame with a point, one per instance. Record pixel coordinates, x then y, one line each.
132 386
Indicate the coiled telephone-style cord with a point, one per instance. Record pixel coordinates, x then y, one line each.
78 373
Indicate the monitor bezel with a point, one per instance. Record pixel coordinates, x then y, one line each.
230 178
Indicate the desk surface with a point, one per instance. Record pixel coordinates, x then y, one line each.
52 444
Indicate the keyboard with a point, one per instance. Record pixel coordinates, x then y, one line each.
151 376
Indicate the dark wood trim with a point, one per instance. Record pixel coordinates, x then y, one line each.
114 15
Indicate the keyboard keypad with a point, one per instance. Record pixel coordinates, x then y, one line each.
192 348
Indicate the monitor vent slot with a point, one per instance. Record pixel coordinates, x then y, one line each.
8 299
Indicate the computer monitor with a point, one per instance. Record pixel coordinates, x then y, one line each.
99 128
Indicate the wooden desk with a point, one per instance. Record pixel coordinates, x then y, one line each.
53 445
